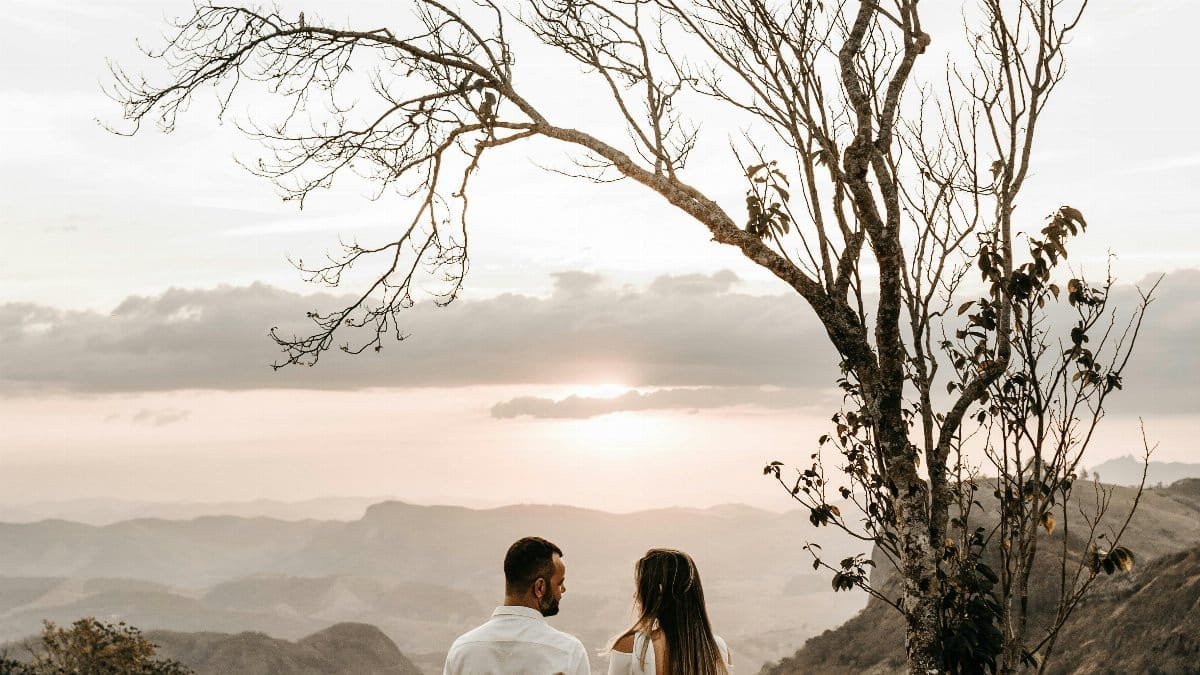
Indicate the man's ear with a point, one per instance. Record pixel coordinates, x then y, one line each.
539 587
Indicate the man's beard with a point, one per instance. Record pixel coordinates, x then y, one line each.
548 605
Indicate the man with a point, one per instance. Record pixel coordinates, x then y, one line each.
517 638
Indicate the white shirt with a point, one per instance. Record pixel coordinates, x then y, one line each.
621 663
517 640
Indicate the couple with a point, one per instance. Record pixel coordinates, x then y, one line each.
671 636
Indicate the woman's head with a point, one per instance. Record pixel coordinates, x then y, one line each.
670 599
667 581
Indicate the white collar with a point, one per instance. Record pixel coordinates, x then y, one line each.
518 610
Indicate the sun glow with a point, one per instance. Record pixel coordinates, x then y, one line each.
615 433
602 390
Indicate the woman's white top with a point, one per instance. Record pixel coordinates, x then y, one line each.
621 663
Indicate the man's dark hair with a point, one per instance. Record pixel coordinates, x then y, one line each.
527 560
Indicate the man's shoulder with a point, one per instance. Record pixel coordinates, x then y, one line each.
476 634
546 635
570 639
553 637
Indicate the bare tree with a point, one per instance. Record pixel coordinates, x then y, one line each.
870 193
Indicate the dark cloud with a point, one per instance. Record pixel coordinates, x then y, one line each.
679 332
582 407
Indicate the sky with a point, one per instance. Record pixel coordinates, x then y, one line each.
604 353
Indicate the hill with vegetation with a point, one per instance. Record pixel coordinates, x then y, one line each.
1141 618
1148 622
342 648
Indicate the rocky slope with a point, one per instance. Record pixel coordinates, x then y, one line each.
1147 620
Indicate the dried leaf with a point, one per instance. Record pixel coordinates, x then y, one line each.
1048 522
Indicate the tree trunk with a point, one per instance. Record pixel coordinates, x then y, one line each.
918 564
920 589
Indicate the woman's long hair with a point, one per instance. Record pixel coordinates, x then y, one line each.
670 599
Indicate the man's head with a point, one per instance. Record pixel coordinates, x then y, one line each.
534 575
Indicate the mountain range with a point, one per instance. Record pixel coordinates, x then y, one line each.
220 590
421 574
106 511
1127 470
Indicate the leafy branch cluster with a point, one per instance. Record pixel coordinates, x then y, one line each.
1031 427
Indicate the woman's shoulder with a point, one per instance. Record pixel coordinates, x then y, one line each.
724 649
624 644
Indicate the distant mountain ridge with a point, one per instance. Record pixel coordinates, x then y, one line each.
1127 470
107 511
101 511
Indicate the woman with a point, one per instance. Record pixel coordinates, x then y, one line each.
672 635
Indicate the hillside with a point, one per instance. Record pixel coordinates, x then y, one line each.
422 574
342 648
1148 622
1162 534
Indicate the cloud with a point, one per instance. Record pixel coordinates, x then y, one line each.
576 284
681 331
582 407
694 284
159 417
678 333
1165 367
